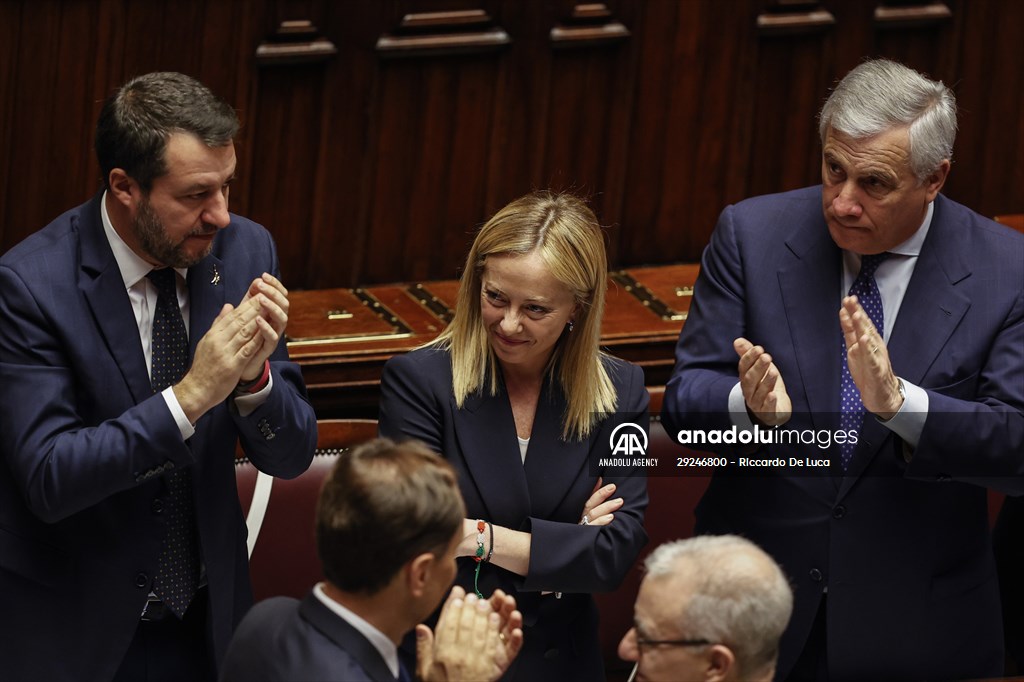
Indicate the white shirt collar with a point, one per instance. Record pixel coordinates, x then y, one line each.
380 641
912 246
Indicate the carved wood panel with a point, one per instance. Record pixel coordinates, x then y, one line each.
378 134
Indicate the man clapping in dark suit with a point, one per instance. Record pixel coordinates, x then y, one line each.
141 338
388 523
880 326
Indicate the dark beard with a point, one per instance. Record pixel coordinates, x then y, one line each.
154 240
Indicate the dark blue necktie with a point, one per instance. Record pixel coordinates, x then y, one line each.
403 673
851 415
177 577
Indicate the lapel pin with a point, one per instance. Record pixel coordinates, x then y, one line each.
216 277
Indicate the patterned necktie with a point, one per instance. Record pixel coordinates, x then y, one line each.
177 577
851 414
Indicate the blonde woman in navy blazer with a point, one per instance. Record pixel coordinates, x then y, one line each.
516 394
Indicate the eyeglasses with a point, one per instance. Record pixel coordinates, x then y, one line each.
639 636
643 641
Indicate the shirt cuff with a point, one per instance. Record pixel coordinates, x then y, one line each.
908 423
184 425
738 409
248 402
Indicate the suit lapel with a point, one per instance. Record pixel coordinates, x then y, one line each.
809 284
552 464
932 308
206 297
346 637
486 432
102 285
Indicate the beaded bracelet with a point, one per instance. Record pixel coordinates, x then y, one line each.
490 550
479 556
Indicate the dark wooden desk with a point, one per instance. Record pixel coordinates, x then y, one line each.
342 337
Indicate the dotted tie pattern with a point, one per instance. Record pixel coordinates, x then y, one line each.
177 577
851 415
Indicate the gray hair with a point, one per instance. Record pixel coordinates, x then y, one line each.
880 95
737 595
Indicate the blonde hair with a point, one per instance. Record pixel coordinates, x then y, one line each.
563 230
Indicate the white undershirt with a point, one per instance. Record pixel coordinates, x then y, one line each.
523 444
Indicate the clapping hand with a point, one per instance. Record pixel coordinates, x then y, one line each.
474 639
764 391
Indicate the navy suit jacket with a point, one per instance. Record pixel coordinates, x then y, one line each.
84 441
903 547
285 640
545 498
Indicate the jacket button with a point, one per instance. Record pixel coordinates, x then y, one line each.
157 506
839 512
815 575
141 580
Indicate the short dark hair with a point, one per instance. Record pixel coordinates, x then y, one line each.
137 120
382 505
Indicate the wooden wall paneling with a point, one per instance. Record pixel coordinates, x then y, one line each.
732 182
76 173
792 83
522 99
1003 188
341 206
692 122
974 69
410 181
987 174
154 40
615 27
659 177
582 97
395 164
109 68
10 21
468 158
286 121
910 13
786 148
729 51
590 110
927 44
46 121
431 155
230 32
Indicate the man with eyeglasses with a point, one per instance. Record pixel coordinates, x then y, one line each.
710 608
